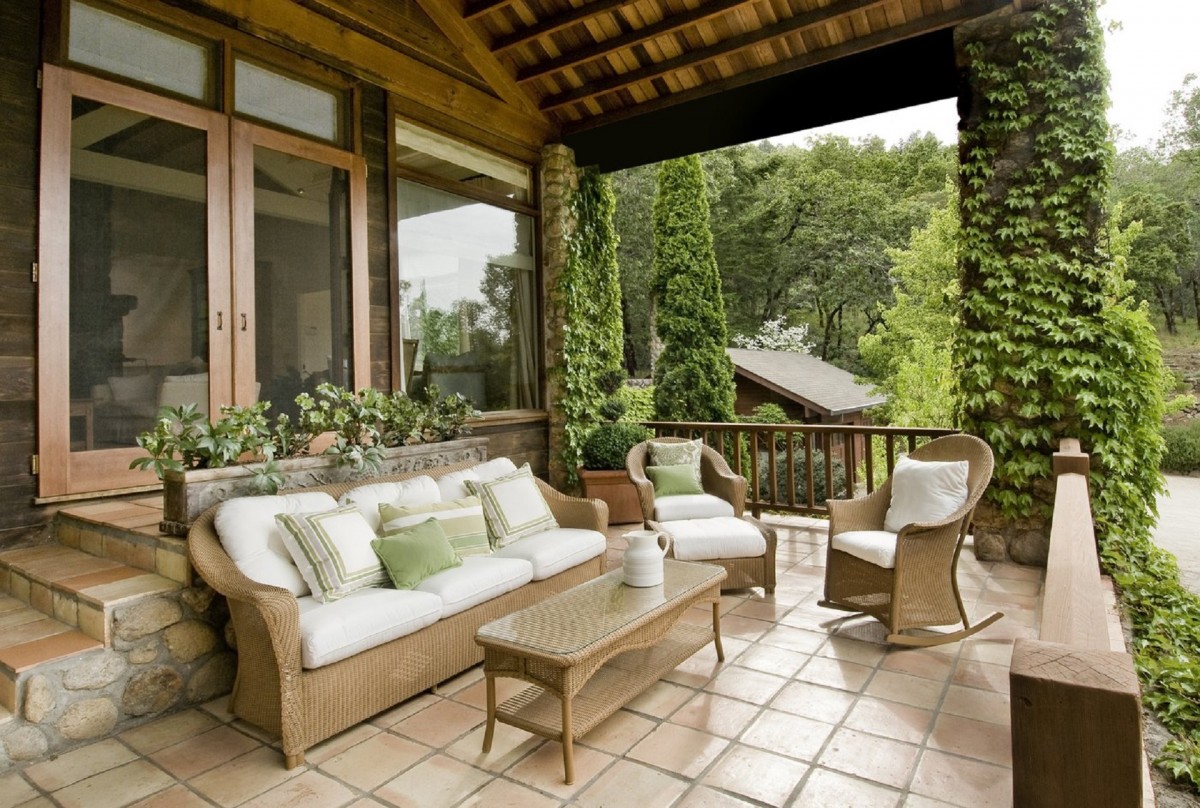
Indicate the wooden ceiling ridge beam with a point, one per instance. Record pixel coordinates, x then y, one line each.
667 25
970 9
557 23
727 47
481 8
477 54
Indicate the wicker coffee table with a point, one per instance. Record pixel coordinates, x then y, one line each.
593 648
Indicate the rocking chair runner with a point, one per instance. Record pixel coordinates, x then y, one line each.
910 580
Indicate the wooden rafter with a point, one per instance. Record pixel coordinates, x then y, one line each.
728 47
667 25
481 8
477 54
969 10
557 23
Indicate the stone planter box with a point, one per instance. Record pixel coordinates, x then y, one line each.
616 489
188 494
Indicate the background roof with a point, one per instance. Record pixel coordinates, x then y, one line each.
805 378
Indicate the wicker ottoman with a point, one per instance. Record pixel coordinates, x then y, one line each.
744 546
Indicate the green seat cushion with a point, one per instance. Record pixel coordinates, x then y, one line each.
411 554
671 481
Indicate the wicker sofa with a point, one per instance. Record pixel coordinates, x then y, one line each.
303 705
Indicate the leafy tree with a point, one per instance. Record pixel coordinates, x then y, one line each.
693 379
632 218
774 336
910 353
1163 251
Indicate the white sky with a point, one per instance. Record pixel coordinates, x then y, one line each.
1147 58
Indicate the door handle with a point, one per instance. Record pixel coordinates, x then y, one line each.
220 321
243 321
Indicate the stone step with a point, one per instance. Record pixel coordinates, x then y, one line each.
28 638
73 588
125 531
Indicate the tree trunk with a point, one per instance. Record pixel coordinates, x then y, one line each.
1168 307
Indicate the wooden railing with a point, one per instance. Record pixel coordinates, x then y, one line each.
1075 704
795 468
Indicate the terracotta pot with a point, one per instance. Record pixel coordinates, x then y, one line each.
616 489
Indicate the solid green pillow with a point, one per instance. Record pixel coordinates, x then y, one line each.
412 554
670 481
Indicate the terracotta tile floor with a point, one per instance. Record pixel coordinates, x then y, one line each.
809 709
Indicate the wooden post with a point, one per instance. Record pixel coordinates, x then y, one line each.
1076 727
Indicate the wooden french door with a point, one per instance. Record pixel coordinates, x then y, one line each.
184 257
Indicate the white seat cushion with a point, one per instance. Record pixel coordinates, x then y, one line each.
406 493
718 537
479 579
925 491
552 551
690 506
876 547
248 532
361 620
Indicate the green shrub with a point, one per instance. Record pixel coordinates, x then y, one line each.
1183 448
800 472
606 446
638 401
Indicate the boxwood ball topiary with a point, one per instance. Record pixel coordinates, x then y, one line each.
606 446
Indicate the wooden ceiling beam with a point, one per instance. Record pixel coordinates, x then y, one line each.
557 23
667 25
970 10
473 49
481 7
728 47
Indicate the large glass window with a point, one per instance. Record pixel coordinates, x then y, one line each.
467 279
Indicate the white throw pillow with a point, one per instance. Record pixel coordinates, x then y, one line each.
454 485
417 491
333 551
513 507
248 532
925 491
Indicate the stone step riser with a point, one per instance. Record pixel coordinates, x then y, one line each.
143 548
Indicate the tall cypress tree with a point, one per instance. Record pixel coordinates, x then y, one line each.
693 378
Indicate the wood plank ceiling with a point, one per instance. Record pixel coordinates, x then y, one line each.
588 63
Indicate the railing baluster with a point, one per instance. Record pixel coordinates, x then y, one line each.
851 464
869 458
890 445
828 467
810 484
791 469
774 467
754 471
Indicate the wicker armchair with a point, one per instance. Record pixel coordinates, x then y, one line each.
921 589
717 480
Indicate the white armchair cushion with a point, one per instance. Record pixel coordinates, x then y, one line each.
925 491
406 493
248 532
478 580
333 551
876 547
690 506
714 538
361 620
552 551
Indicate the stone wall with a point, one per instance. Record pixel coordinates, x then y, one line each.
167 652
559 179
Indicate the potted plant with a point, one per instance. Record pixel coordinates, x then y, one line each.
603 475
339 435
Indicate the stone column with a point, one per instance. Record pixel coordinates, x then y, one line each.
559 179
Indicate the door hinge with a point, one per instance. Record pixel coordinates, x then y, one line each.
33 271
35 465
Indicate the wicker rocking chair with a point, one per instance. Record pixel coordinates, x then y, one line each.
910 580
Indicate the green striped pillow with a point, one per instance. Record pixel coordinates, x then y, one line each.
333 551
461 520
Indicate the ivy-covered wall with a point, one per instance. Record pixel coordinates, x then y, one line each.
1050 345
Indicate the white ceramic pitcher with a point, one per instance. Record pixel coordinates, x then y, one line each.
643 563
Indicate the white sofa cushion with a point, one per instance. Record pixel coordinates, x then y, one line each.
690 506
552 551
453 485
361 620
925 491
876 547
479 579
248 532
333 551
717 537
367 498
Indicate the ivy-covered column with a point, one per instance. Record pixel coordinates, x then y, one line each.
1050 346
558 181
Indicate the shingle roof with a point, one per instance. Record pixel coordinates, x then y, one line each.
806 379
